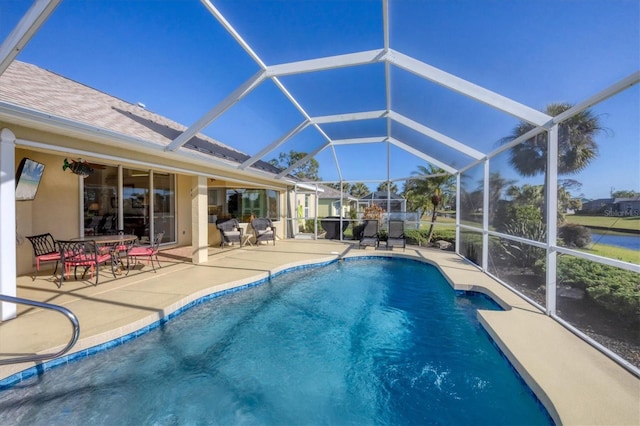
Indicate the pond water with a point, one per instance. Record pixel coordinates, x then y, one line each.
624 241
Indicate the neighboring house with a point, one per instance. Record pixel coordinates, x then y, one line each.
596 206
382 198
612 207
332 202
625 207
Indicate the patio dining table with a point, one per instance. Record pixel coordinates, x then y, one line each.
113 242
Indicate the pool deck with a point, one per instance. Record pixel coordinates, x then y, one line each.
577 383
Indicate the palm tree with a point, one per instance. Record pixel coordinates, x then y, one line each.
497 185
576 145
384 185
346 186
433 184
359 190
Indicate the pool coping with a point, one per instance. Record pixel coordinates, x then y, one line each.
614 405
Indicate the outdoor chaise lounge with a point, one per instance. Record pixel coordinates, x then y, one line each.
370 236
230 231
395 236
263 230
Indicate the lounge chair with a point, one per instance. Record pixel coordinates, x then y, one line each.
230 231
148 251
395 236
85 254
370 236
263 230
45 249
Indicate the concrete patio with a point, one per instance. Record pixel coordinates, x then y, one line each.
576 383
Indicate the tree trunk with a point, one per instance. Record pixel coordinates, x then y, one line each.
433 219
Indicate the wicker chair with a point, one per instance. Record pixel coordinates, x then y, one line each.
230 231
263 230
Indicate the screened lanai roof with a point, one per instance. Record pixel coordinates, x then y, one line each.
371 89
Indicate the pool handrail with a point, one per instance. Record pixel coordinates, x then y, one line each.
70 316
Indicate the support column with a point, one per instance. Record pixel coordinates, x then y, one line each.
552 218
199 225
458 186
485 217
7 222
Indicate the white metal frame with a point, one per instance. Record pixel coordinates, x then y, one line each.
42 9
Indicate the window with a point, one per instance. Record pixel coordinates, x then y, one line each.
245 204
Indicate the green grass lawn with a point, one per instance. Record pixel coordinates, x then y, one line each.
619 253
606 221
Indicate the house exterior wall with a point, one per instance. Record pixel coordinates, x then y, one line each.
325 208
183 210
56 208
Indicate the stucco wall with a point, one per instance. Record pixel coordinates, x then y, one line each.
55 208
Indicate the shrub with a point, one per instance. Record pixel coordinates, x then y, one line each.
357 231
471 253
415 236
309 225
615 289
523 222
522 254
574 235
373 212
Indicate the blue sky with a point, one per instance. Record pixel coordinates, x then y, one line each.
178 60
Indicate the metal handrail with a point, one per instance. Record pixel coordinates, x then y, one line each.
70 315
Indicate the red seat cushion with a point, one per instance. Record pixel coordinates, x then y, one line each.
141 251
48 257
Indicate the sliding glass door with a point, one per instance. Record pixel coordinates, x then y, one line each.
101 203
164 205
135 197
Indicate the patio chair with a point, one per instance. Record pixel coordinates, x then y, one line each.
148 251
86 254
45 249
370 236
230 231
395 236
263 230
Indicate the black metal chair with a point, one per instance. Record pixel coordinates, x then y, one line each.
45 249
148 251
230 231
395 236
370 236
263 230
85 254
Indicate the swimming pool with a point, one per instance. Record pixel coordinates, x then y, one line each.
355 342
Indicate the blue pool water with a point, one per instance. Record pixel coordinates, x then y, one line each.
356 342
